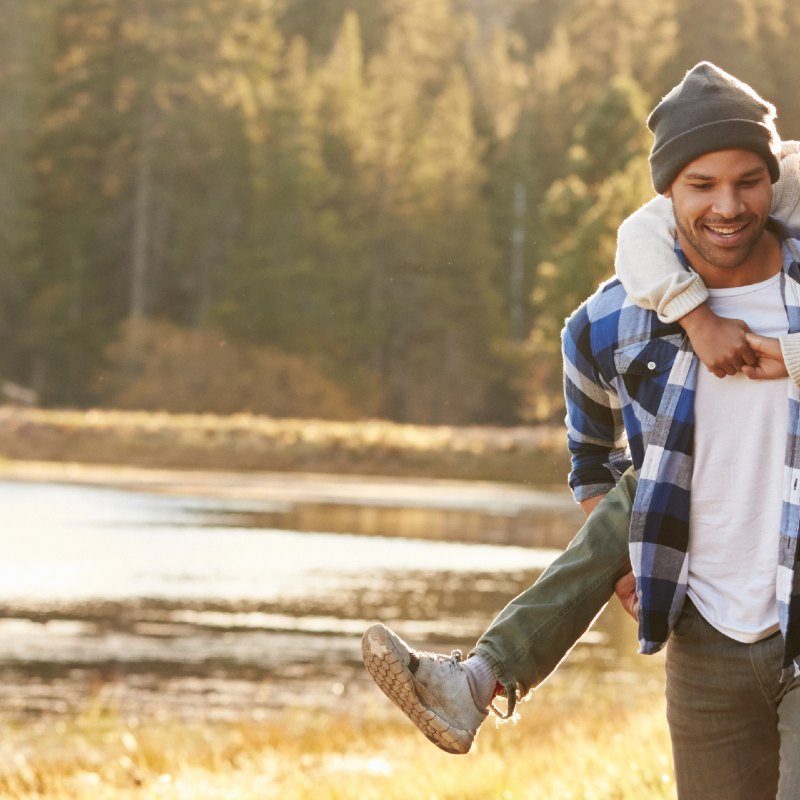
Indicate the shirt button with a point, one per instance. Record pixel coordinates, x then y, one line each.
651 365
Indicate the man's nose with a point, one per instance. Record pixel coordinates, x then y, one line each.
728 204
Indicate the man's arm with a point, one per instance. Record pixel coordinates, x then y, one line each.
591 503
595 430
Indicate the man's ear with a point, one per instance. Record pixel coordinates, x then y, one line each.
667 193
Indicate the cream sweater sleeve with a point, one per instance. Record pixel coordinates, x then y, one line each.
790 347
647 265
786 208
786 192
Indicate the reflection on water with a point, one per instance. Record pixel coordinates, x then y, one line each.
151 602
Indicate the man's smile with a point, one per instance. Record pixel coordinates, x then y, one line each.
726 234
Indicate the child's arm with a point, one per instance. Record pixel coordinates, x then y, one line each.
786 208
786 192
779 357
648 268
654 278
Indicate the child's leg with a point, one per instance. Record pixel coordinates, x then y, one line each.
534 632
525 642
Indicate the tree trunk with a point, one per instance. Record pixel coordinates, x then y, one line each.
140 245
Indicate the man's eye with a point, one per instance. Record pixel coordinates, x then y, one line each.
751 182
700 187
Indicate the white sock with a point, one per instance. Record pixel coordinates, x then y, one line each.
484 679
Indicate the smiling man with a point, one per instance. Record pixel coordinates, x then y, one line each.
715 514
723 232
714 523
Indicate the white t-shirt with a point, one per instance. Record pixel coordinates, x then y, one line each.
739 452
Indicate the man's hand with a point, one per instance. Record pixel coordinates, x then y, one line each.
720 343
770 358
591 504
625 589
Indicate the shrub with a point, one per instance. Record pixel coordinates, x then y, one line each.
155 365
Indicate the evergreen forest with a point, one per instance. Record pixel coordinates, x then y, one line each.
332 208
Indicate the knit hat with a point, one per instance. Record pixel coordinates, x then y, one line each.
710 110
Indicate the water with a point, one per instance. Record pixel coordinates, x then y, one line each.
165 603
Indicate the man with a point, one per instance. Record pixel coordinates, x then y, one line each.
705 570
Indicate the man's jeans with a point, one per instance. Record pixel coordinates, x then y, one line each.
735 727
732 721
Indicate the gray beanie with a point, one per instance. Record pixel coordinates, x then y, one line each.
710 110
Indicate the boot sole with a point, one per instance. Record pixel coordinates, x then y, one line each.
397 683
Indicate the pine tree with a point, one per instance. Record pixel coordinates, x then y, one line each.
608 179
141 161
24 49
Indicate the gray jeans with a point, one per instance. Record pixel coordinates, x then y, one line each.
735 727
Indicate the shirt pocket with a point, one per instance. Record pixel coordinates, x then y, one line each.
644 367
649 357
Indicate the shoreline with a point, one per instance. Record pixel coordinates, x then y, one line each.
349 489
533 456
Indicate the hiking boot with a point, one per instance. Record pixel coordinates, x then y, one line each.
436 692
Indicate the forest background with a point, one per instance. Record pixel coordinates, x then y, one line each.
339 209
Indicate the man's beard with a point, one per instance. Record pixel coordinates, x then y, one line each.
715 254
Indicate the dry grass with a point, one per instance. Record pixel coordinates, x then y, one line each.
576 748
249 442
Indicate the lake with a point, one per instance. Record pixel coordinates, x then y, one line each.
222 596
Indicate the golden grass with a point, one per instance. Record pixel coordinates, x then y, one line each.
566 748
250 442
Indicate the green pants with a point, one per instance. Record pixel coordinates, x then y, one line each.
538 628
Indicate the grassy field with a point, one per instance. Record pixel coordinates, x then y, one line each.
248 442
568 747
577 740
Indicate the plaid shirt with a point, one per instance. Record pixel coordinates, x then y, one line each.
629 384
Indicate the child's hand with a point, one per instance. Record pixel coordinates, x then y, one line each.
719 343
770 358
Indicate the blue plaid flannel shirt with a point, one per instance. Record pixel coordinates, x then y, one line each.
629 382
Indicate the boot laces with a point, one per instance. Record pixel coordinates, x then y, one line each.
452 661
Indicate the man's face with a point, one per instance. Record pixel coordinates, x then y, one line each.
721 202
